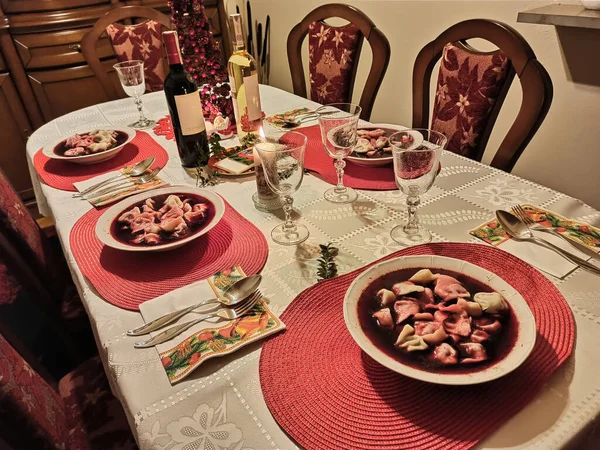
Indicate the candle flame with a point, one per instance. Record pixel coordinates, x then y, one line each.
261 133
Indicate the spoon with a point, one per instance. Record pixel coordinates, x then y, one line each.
236 293
137 170
518 230
299 120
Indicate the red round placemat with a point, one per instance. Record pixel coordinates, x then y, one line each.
62 174
326 393
127 279
317 160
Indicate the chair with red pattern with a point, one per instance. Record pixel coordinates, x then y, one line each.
29 263
140 41
334 53
81 414
472 86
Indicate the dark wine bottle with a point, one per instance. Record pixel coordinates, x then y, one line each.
185 108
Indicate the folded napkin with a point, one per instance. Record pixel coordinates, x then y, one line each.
211 338
278 120
121 193
544 259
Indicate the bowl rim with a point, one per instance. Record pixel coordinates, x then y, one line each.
526 333
105 221
48 149
377 125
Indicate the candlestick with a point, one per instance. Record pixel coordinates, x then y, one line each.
264 198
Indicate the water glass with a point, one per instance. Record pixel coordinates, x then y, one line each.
131 75
338 123
283 165
416 155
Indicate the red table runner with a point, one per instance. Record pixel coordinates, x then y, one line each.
318 160
62 174
326 393
127 279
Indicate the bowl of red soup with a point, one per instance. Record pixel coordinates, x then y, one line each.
440 320
90 146
160 220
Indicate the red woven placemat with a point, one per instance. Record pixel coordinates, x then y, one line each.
326 393
317 160
127 279
62 174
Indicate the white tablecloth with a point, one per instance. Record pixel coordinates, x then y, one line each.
221 406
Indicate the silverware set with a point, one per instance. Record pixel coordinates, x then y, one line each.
138 174
237 301
520 226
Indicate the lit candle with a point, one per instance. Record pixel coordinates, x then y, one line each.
266 196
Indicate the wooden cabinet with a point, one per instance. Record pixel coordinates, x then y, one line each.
13 134
43 74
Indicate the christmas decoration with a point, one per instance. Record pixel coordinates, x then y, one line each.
202 57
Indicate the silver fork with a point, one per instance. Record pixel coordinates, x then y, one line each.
119 187
227 314
522 215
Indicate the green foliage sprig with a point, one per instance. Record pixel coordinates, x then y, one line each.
327 267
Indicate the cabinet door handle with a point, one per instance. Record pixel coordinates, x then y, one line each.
76 47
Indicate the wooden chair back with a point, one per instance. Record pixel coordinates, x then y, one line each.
535 83
90 39
379 45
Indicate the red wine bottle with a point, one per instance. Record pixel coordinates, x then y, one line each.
185 108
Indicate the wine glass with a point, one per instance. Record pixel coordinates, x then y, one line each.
416 155
283 165
338 123
131 75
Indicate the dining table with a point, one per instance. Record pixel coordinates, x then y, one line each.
221 405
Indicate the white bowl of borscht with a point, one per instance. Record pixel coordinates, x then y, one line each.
440 320
160 220
90 146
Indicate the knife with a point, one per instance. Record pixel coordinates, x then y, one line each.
250 40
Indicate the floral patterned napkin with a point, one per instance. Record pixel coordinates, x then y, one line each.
544 259
278 120
492 232
208 339
119 194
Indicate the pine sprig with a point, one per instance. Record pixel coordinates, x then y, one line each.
327 267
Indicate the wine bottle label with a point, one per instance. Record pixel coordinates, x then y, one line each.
189 109
253 97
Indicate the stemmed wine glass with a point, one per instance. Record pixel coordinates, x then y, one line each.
338 123
283 165
416 155
131 75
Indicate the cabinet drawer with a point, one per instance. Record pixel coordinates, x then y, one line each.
19 6
56 49
39 22
61 91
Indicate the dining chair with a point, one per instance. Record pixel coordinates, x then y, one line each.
333 56
141 41
28 262
78 412
472 86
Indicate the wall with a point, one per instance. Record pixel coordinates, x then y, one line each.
564 154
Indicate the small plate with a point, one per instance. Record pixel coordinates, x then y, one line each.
103 226
48 150
526 332
376 162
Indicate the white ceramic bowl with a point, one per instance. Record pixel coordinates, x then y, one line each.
105 221
94 158
526 322
375 162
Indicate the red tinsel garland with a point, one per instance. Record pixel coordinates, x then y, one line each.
202 57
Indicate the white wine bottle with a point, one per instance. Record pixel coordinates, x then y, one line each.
243 81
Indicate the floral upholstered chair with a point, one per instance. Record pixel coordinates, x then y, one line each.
471 87
334 52
28 261
141 41
81 415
